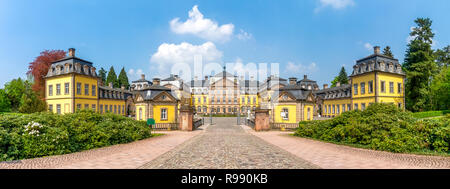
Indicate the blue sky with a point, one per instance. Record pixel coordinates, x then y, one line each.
313 37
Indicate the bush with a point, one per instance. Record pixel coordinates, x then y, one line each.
430 114
382 127
44 134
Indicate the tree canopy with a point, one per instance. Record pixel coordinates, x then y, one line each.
387 52
102 75
39 68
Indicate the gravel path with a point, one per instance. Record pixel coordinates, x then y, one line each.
225 145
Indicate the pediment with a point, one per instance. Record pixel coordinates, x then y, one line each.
164 97
285 96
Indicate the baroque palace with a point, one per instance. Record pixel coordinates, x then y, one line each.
72 84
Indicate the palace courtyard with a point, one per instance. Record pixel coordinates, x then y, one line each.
226 145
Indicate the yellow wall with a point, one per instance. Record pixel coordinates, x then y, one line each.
59 80
83 102
144 112
110 102
170 113
66 105
387 77
396 100
305 112
292 113
245 102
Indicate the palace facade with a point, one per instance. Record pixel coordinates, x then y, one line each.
72 84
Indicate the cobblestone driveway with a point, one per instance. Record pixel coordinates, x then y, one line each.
225 145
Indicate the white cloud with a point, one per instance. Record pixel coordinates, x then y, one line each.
169 56
202 27
335 4
244 35
297 69
368 46
134 75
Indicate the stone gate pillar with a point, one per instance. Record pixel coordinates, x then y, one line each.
262 120
186 119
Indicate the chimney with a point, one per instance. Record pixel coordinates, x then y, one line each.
72 52
143 76
325 86
305 77
376 49
110 84
338 84
292 81
156 81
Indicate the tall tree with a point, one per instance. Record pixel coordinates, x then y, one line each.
30 102
14 90
123 78
5 104
112 78
387 52
342 78
443 56
39 68
440 90
419 66
102 75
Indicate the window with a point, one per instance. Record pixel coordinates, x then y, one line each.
337 109
140 114
370 83
355 86
205 109
285 114
363 106
363 88
86 106
329 109
229 109
399 105
399 88
78 106
254 100
123 109
86 89
383 87
204 99
93 90
79 88
349 107
66 88
198 100
224 110
106 108
248 100
163 113
343 107
334 109
58 89
101 108
118 109
58 108
199 109
356 106
391 87
243 100
50 107
115 109
50 90
110 108
93 107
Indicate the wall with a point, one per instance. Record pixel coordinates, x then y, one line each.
292 113
170 116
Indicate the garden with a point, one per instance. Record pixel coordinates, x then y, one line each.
24 136
383 127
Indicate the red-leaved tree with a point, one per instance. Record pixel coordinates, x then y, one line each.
39 68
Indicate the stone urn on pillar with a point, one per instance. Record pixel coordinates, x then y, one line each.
262 120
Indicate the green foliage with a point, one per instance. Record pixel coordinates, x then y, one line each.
44 134
342 78
428 114
102 75
419 66
443 56
5 104
440 90
123 79
14 90
387 52
31 103
112 78
382 127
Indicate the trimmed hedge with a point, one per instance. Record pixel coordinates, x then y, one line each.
382 127
430 114
34 135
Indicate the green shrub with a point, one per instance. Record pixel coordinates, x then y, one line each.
421 115
382 127
44 134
